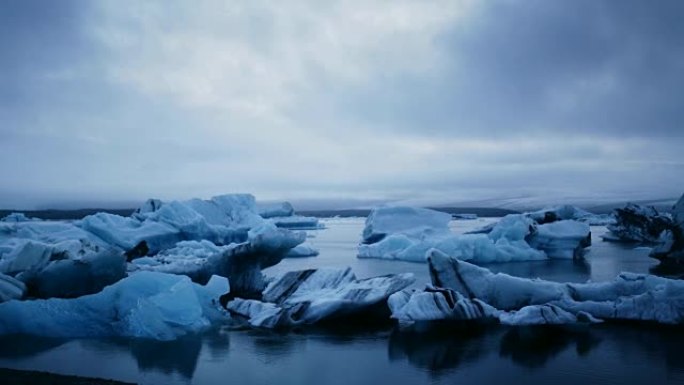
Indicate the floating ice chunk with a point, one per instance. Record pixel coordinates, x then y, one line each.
127 232
547 314
297 222
11 288
17 217
562 239
311 296
68 278
465 216
568 212
502 291
628 297
66 269
303 250
145 305
383 221
506 242
25 255
670 246
437 304
271 210
635 223
240 262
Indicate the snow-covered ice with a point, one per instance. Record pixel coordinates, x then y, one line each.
635 297
303 250
310 296
406 233
279 209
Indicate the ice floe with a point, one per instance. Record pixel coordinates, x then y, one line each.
145 305
311 296
467 288
639 224
406 233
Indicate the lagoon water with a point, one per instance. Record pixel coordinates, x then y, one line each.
604 354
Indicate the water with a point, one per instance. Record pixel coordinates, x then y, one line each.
473 355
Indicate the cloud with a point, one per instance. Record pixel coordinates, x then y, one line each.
121 100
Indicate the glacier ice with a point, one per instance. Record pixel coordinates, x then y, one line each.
11 288
522 301
302 250
670 248
279 209
414 231
230 238
569 212
145 305
67 268
561 239
240 262
16 217
634 223
310 296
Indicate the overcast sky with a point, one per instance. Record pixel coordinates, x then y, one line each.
426 101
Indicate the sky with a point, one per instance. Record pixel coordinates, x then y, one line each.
104 102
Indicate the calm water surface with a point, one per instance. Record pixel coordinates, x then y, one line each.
472 355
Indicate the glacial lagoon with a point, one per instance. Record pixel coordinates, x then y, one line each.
600 354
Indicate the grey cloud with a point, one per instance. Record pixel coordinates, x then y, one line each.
599 68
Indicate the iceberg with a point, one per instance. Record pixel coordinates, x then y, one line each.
68 268
562 239
308 297
569 212
297 222
241 262
383 221
514 238
223 220
638 224
68 259
522 301
670 248
271 210
283 215
11 288
303 250
17 217
145 305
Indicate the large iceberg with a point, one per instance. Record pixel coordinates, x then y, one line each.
561 239
569 212
144 305
199 238
515 300
58 259
222 220
311 296
671 242
283 215
639 224
242 262
406 233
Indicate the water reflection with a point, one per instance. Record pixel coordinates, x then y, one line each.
18 346
533 347
559 270
443 348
